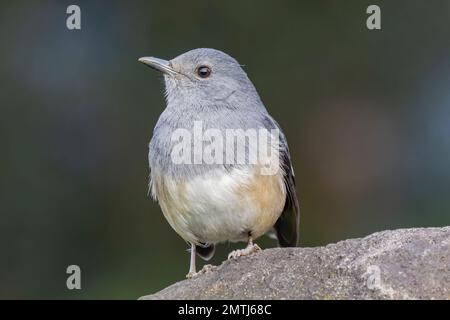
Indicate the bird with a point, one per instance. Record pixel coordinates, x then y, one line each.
208 203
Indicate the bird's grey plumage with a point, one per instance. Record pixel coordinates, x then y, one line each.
230 102
227 101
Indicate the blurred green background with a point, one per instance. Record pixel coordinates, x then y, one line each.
366 113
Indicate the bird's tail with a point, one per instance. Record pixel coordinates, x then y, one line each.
205 252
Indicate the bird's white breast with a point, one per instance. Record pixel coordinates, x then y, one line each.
221 205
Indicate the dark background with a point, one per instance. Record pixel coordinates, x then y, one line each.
366 114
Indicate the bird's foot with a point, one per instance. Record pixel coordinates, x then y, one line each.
206 268
251 248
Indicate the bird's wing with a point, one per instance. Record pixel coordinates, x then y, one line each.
287 225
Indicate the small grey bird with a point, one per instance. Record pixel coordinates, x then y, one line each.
209 203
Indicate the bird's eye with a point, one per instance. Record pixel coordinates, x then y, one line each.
204 71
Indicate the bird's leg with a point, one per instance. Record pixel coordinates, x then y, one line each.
251 248
192 269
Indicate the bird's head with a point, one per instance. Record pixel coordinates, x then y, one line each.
203 77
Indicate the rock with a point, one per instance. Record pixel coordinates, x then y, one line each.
399 264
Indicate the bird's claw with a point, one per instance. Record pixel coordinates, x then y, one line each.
206 268
253 248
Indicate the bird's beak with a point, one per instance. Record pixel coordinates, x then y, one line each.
158 64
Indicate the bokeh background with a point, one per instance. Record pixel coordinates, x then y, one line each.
366 113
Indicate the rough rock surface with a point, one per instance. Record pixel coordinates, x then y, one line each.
399 264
